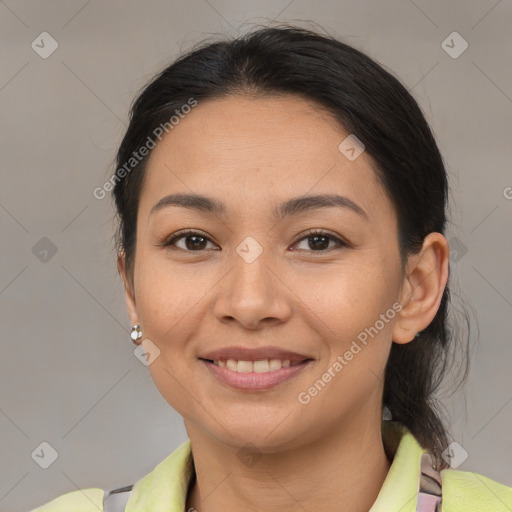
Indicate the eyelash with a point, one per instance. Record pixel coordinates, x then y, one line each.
308 234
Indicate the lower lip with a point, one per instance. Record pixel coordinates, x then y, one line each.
253 381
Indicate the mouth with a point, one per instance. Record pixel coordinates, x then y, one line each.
272 355
258 366
254 369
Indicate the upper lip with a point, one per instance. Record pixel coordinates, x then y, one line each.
254 354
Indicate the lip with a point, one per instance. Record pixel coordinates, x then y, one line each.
254 354
253 381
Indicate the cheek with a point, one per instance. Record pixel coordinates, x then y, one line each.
166 295
166 306
347 298
353 318
167 314
353 321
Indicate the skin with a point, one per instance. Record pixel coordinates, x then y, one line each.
253 153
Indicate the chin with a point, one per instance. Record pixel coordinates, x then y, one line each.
267 436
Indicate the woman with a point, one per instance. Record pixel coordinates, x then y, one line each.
282 204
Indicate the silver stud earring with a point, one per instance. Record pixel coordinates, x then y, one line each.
418 334
136 333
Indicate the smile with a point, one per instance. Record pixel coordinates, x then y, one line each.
261 366
254 375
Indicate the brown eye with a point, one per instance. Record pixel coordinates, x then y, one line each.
318 241
193 241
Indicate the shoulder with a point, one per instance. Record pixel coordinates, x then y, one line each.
467 491
83 500
167 483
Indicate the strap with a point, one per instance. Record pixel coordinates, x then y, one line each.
430 492
116 500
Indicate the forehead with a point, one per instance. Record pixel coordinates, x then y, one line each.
257 151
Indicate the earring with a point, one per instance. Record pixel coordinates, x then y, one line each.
136 333
418 334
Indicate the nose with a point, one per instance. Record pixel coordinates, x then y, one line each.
253 295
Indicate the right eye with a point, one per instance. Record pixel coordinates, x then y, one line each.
195 244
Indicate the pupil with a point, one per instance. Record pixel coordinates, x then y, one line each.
194 244
315 244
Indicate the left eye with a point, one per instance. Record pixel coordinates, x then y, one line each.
319 240
195 241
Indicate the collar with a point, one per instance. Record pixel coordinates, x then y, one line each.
165 488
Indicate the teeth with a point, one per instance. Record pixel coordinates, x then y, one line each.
231 364
275 364
262 366
245 366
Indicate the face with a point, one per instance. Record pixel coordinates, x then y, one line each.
247 278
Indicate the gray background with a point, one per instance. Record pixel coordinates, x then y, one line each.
68 373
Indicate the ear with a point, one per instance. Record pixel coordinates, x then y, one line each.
422 290
128 288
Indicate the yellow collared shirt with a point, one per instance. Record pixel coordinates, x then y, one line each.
165 488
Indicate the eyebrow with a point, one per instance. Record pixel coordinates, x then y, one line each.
294 206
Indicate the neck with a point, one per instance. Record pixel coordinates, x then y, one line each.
347 465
